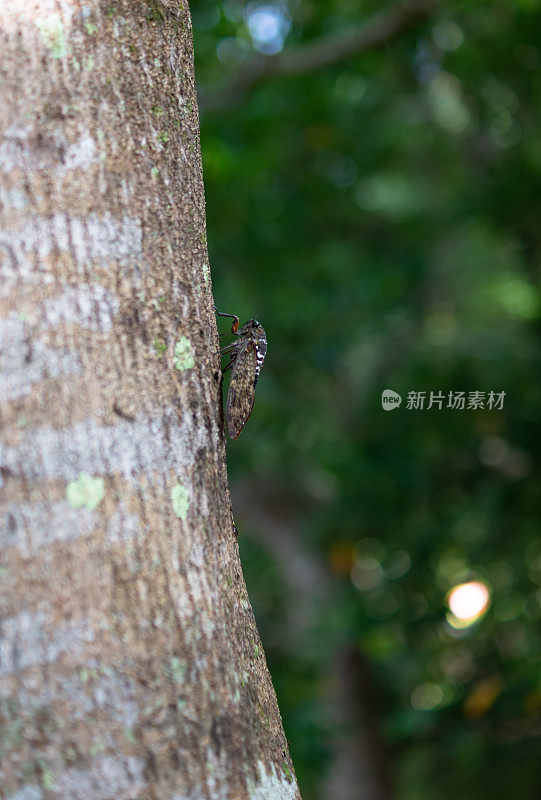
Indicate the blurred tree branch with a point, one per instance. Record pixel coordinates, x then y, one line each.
360 765
378 30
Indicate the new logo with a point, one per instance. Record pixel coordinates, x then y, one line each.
390 400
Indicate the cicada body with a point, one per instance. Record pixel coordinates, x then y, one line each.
246 359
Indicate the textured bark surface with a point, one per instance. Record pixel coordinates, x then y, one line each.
130 665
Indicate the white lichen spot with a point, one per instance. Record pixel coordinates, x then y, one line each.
203 598
20 377
94 239
51 30
184 358
29 526
29 792
89 306
94 688
155 443
180 500
111 776
85 492
28 640
80 154
271 786
217 773
22 365
99 238
12 198
23 147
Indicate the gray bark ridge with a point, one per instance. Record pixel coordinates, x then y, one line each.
130 664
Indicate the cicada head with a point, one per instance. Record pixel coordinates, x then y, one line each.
252 328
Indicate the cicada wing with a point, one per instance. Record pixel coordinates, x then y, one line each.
241 392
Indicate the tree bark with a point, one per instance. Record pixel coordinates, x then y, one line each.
130 664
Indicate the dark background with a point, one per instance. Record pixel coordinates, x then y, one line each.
377 213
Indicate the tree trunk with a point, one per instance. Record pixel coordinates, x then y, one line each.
130 665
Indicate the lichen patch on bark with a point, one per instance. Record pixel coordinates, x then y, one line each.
180 500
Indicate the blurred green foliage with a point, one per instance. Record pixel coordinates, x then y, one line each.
380 218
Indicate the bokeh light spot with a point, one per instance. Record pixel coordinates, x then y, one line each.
467 603
268 25
447 35
426 696
448 107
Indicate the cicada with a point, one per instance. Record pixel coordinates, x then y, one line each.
247 354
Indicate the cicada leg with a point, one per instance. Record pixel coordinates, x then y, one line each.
235 323
229 364
230 348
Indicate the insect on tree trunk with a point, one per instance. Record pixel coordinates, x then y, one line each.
130 665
